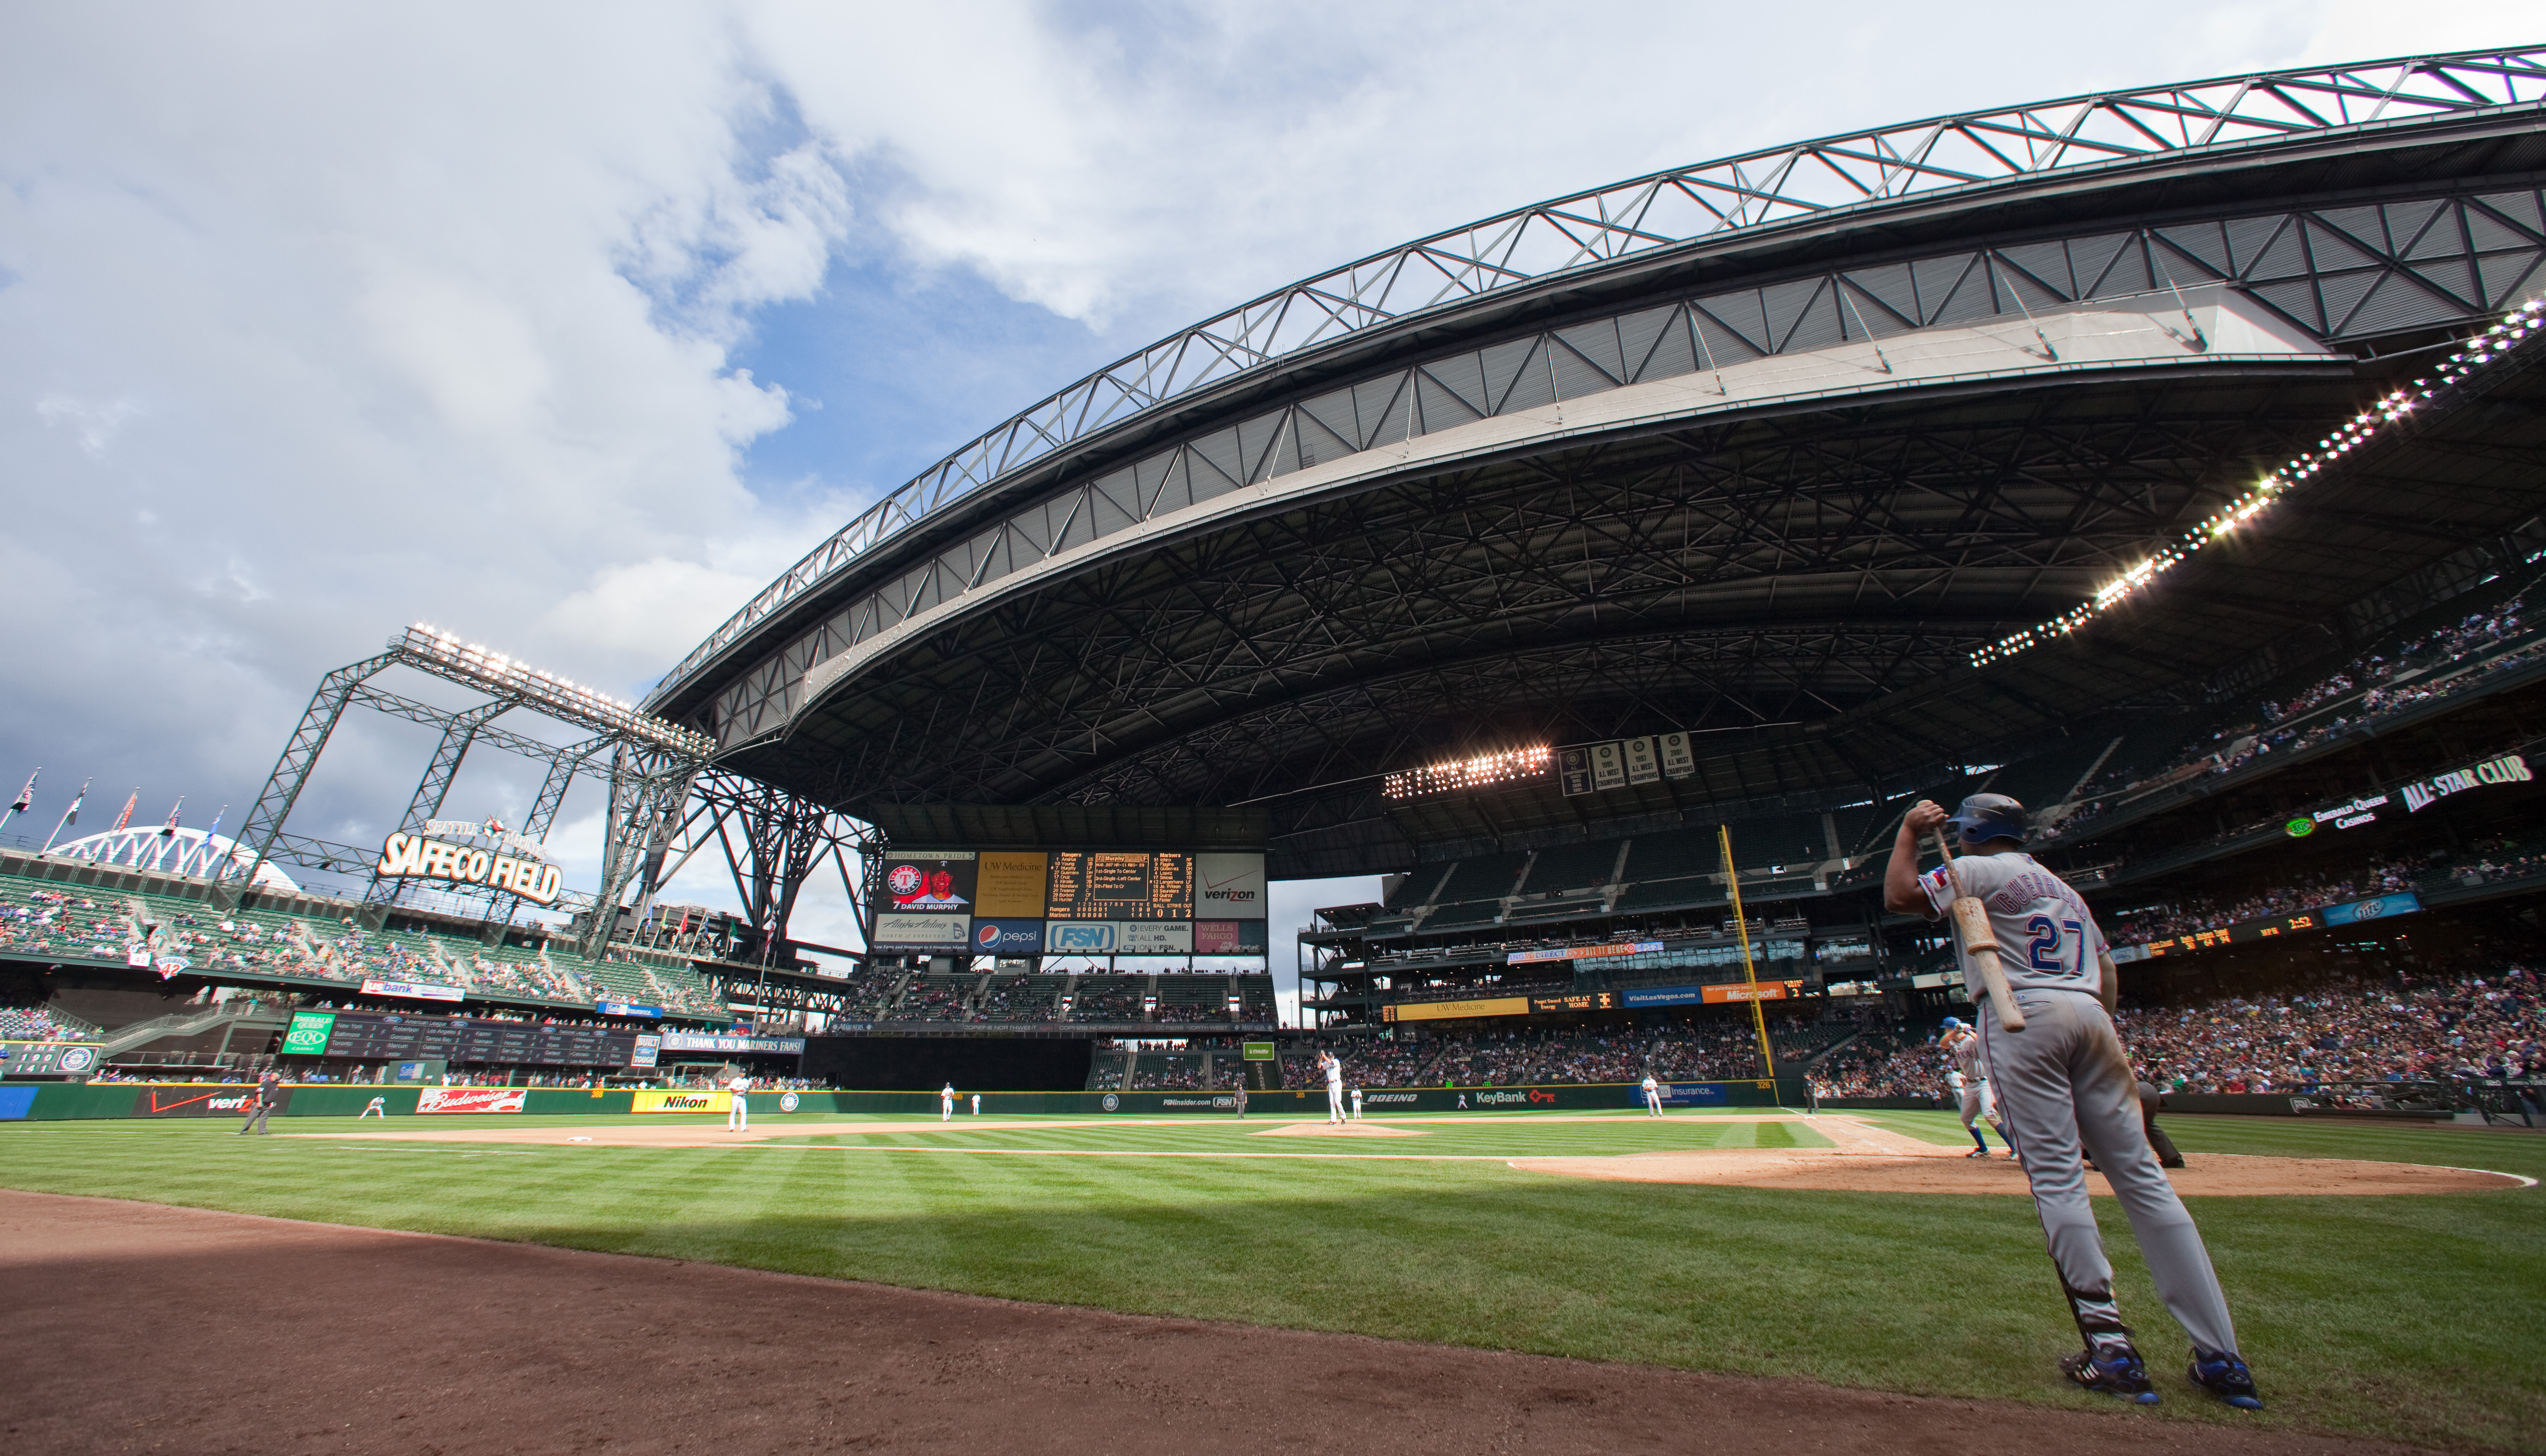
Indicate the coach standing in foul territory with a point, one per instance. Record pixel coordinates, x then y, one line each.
2062 1081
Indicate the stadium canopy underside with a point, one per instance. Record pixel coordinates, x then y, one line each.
1774 485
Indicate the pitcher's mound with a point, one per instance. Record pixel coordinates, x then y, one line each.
1331 1130
2208 1174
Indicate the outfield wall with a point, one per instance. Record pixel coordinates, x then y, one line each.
68 1101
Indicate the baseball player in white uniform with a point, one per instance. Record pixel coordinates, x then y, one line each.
1356 1096
737 1113
946 1103
977 1104
1652 1095
2063 1082
1334 1071
1970 1081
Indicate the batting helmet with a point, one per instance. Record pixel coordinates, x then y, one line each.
1991 817
1953 1022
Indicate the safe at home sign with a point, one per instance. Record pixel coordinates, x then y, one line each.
413 856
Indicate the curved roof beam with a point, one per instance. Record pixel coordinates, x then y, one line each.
1591 228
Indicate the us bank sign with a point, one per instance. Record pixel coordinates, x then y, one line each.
415 857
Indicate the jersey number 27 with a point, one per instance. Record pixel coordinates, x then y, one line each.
2049 949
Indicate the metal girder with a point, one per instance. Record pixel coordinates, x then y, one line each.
265 820
786 839
1627 223
458 732
647 788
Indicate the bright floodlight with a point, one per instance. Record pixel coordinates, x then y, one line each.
1470 773
571 702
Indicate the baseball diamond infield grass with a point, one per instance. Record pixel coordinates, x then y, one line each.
2413 1318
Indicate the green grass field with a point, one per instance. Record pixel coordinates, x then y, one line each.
2413 1317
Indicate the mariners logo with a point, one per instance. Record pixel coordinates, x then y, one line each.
787 1103
1110 1103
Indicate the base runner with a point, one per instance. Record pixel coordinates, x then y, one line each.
2063 1082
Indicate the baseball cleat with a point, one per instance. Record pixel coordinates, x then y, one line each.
2225 1377
1978 1153
2121 1375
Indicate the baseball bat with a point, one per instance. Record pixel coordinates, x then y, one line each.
1980 940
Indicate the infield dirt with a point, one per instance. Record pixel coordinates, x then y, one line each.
143 1327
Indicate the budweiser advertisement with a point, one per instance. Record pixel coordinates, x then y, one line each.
471 1099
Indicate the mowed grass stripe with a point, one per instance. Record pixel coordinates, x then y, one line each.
2396 1316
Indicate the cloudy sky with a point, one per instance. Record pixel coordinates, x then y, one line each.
566 326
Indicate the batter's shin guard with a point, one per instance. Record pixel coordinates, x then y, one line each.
2099 1318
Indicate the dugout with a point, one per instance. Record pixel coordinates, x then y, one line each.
973 1063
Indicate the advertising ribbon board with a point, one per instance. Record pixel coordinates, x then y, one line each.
309 1032
649 1047
1256 1050
1584 952
625 1008
471 1099
706 1041
2379 907
47 1058
682 1102
414 990
1445 1011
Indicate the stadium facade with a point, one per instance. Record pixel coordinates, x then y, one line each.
2166 458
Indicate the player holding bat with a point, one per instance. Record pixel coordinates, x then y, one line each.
2033 960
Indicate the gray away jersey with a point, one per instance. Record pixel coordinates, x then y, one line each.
1967 1058
2046 936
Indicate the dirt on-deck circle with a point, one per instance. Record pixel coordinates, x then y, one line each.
136 1326
1871 1160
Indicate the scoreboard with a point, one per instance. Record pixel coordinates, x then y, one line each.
1071 902
367 1037
1117 884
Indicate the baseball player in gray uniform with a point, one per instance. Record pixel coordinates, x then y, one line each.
2064 1082
1970 1081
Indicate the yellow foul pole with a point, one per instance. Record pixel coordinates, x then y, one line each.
1742 927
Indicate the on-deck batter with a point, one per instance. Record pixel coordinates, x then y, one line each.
2064 1080
1970 1081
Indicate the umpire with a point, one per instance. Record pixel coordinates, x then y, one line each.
262 1102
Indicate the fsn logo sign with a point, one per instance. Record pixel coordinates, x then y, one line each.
1093 938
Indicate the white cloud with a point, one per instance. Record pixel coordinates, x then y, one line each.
92 423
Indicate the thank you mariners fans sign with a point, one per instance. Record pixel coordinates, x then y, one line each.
513 867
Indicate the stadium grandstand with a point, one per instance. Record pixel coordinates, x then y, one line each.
1607 579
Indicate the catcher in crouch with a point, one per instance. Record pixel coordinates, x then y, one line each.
2062 1081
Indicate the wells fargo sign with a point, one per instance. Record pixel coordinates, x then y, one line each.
414 856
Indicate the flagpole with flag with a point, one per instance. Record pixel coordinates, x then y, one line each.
168 830
70 817
123 820
26 796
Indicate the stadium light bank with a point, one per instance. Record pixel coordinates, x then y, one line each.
484 667
1470 773
2475 354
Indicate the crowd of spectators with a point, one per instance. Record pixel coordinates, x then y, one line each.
2188 914
1690 1052
43 1024
2401 676
2468 1023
